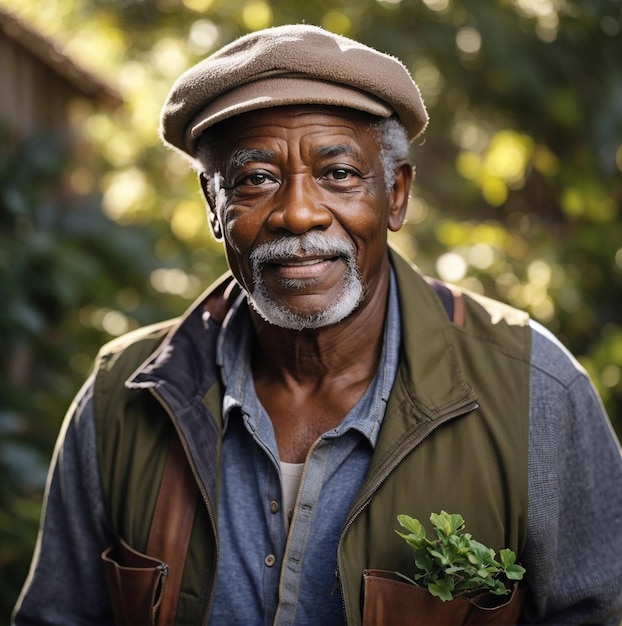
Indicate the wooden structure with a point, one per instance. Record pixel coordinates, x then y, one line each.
39 83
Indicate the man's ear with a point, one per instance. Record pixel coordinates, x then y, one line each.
399 195
210 198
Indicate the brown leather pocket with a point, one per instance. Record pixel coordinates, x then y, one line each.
506 613
135 583
389 601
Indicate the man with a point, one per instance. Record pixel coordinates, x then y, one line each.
324 387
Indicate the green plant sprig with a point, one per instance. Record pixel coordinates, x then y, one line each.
454 564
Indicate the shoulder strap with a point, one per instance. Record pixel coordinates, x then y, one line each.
451 298
173 517
171 526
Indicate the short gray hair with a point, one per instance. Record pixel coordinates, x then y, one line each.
394 147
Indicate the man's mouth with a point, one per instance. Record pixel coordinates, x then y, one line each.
301 262
309 269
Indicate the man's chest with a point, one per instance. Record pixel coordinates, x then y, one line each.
283 572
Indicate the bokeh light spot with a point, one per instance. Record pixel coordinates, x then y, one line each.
203 37
449 233
507 156
481 256
451 267
169 57
115 323
494 190
188 220
610 376
200 6
468 41
257 14
337 22
124 190
439 6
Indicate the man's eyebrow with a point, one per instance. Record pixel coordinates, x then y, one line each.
242 156
338 150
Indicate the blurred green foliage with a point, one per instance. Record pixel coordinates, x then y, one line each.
518 191
55 259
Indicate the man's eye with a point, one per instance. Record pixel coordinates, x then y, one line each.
253 183
254 179
339 174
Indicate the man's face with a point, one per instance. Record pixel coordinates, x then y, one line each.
305 212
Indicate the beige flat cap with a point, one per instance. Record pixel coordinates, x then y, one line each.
286 65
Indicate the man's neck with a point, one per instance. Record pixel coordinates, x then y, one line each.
350 348
309 380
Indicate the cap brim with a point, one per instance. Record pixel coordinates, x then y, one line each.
281 91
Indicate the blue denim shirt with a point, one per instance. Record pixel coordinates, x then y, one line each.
267 574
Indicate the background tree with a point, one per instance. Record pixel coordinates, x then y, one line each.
517 194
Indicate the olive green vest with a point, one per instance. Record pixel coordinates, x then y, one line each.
454 437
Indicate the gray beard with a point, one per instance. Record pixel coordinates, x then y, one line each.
310 243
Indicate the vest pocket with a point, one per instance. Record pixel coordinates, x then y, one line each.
135 583
389 601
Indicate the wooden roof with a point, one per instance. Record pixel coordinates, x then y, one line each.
51 55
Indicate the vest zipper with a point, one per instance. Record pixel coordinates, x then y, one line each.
210 512
408 444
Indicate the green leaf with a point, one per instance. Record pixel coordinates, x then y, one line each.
515 572
447 524
441 590
442 559
413 540
482 554
424 562
412 525
499 589
507 557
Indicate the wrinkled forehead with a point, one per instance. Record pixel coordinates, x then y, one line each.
316 127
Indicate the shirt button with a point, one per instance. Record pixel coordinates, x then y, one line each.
270 560
274 506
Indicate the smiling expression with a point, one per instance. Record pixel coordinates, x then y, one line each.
305 211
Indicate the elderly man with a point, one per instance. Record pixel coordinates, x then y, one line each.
245 464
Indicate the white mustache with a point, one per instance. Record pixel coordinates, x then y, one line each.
309 243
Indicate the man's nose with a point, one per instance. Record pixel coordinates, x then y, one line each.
299 207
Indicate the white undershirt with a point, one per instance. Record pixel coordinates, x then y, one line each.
291 474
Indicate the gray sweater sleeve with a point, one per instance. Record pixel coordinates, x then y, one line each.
66 584
573 554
